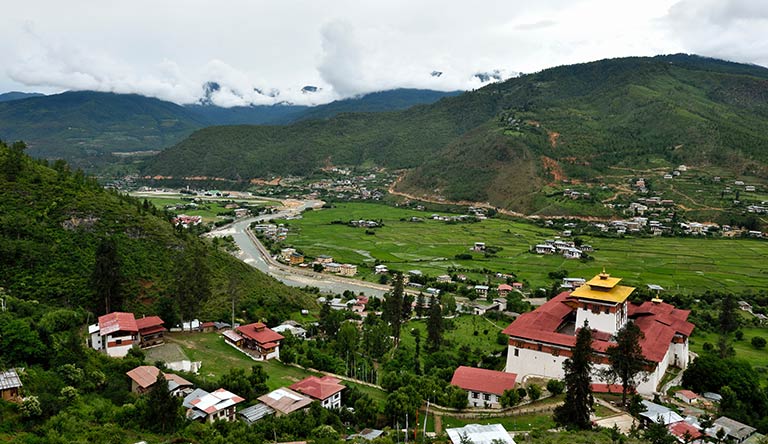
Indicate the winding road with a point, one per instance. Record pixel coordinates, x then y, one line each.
253 253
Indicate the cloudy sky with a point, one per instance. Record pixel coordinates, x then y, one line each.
171 48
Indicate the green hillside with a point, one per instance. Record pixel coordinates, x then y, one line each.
504 142
53 220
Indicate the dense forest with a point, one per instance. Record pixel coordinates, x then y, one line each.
502 142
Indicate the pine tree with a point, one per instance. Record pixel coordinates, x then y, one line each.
420 305
435 325
161 411
574 413
728 320
106 277
393 307
626 358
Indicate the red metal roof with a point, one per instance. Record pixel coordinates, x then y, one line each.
149 322
482 380
659 323
608 388
146 375
117 321
208 324
259 333
679 428
318 388
505 287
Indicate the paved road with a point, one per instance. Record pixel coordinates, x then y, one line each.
253 253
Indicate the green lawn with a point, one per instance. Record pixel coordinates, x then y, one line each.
533 421
218 357
463 334
744 349
678 264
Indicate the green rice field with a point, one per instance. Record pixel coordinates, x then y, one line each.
677 264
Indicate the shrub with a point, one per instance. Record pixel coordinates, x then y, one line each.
555 386
758 342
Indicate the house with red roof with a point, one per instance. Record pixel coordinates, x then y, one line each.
259 340
484 387
144 377
541 340
687 396
327 390
151 331
686 433
114 334
504 290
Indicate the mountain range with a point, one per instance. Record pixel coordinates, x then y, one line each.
505 142
85 127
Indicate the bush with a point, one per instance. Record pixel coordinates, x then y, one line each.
534 392
555 386
739 335
758 342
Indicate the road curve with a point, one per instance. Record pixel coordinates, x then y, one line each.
253 253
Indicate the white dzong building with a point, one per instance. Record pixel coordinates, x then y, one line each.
540 341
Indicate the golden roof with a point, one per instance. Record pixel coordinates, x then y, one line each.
603 288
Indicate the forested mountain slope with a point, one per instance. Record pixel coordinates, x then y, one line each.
55 225
502 142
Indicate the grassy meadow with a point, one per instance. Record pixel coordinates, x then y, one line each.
677 264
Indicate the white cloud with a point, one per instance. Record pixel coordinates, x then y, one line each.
172 48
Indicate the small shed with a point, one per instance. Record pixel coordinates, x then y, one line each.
233 338
10 383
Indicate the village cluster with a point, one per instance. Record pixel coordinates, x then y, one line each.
539 343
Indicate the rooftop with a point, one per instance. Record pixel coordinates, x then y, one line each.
480 434
285 400
318 388
482 380
9 379
117 321
259 333
605 288
218 400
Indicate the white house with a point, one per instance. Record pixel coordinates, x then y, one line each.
484 387
327 390
209 407
114 334
480 434
545 249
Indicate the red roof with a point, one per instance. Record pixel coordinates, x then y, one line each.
149 321
659 323
208 324
318 388
117 321
608 388
688 394
259 333
679 428
482 380
146 375
505 287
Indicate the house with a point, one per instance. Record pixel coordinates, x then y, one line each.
296 258
324 259
114 334
284 401
572 283
539 341
233 338
545 249
686 433
481 290
658 414
480 434
443 278
517 285
10 383
504 289
260 341
209 407
366 434
208 327
151 331
571 253
285 254
484 387
332 267
256 412
380 269
327 390
479 247
687 396
734 430
348 270
296 330
144 377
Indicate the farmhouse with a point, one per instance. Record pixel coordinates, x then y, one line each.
9 385
115 334
209 407
327 390
687 396
734 430
545 249
484 387
541 340
259 340
151 331
284 401
347 270
144 377
504 290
